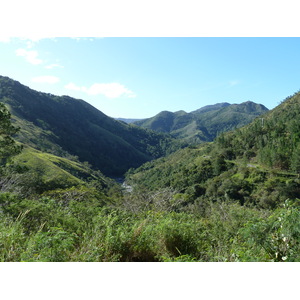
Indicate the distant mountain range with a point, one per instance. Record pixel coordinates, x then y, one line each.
205 123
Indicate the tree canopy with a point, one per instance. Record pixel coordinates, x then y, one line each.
8 146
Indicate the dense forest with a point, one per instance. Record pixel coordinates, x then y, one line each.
231 199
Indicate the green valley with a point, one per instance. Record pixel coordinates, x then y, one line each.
220 184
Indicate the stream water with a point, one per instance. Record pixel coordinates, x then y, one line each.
128 188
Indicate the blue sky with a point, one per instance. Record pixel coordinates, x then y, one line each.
139 77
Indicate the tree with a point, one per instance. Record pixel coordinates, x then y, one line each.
219 165
295 161
8 146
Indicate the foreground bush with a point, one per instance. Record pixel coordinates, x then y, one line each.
48 229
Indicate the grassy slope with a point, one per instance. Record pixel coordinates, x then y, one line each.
52 170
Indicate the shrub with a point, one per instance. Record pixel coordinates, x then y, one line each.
276 238
12 238
54 245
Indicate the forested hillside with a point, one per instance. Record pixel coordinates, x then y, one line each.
206 123
257 164
273 139
66 126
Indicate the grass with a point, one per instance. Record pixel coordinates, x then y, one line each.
50 167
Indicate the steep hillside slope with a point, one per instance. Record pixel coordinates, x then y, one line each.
62 125
273 139
47 171
258 164
205 123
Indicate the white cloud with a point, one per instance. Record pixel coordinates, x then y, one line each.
52 66
46 79
33 40
91 39
30 56
109 90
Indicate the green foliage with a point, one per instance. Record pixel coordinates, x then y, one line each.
8 146
34 172
148 237
273 139
179 171
273 239
12 238
54 245
84 229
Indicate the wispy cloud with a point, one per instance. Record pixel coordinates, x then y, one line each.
109 90
46 79
29 42
30 55
52 66
91 39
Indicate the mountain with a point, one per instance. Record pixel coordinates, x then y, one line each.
165 121
256 165
65 126
205 123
